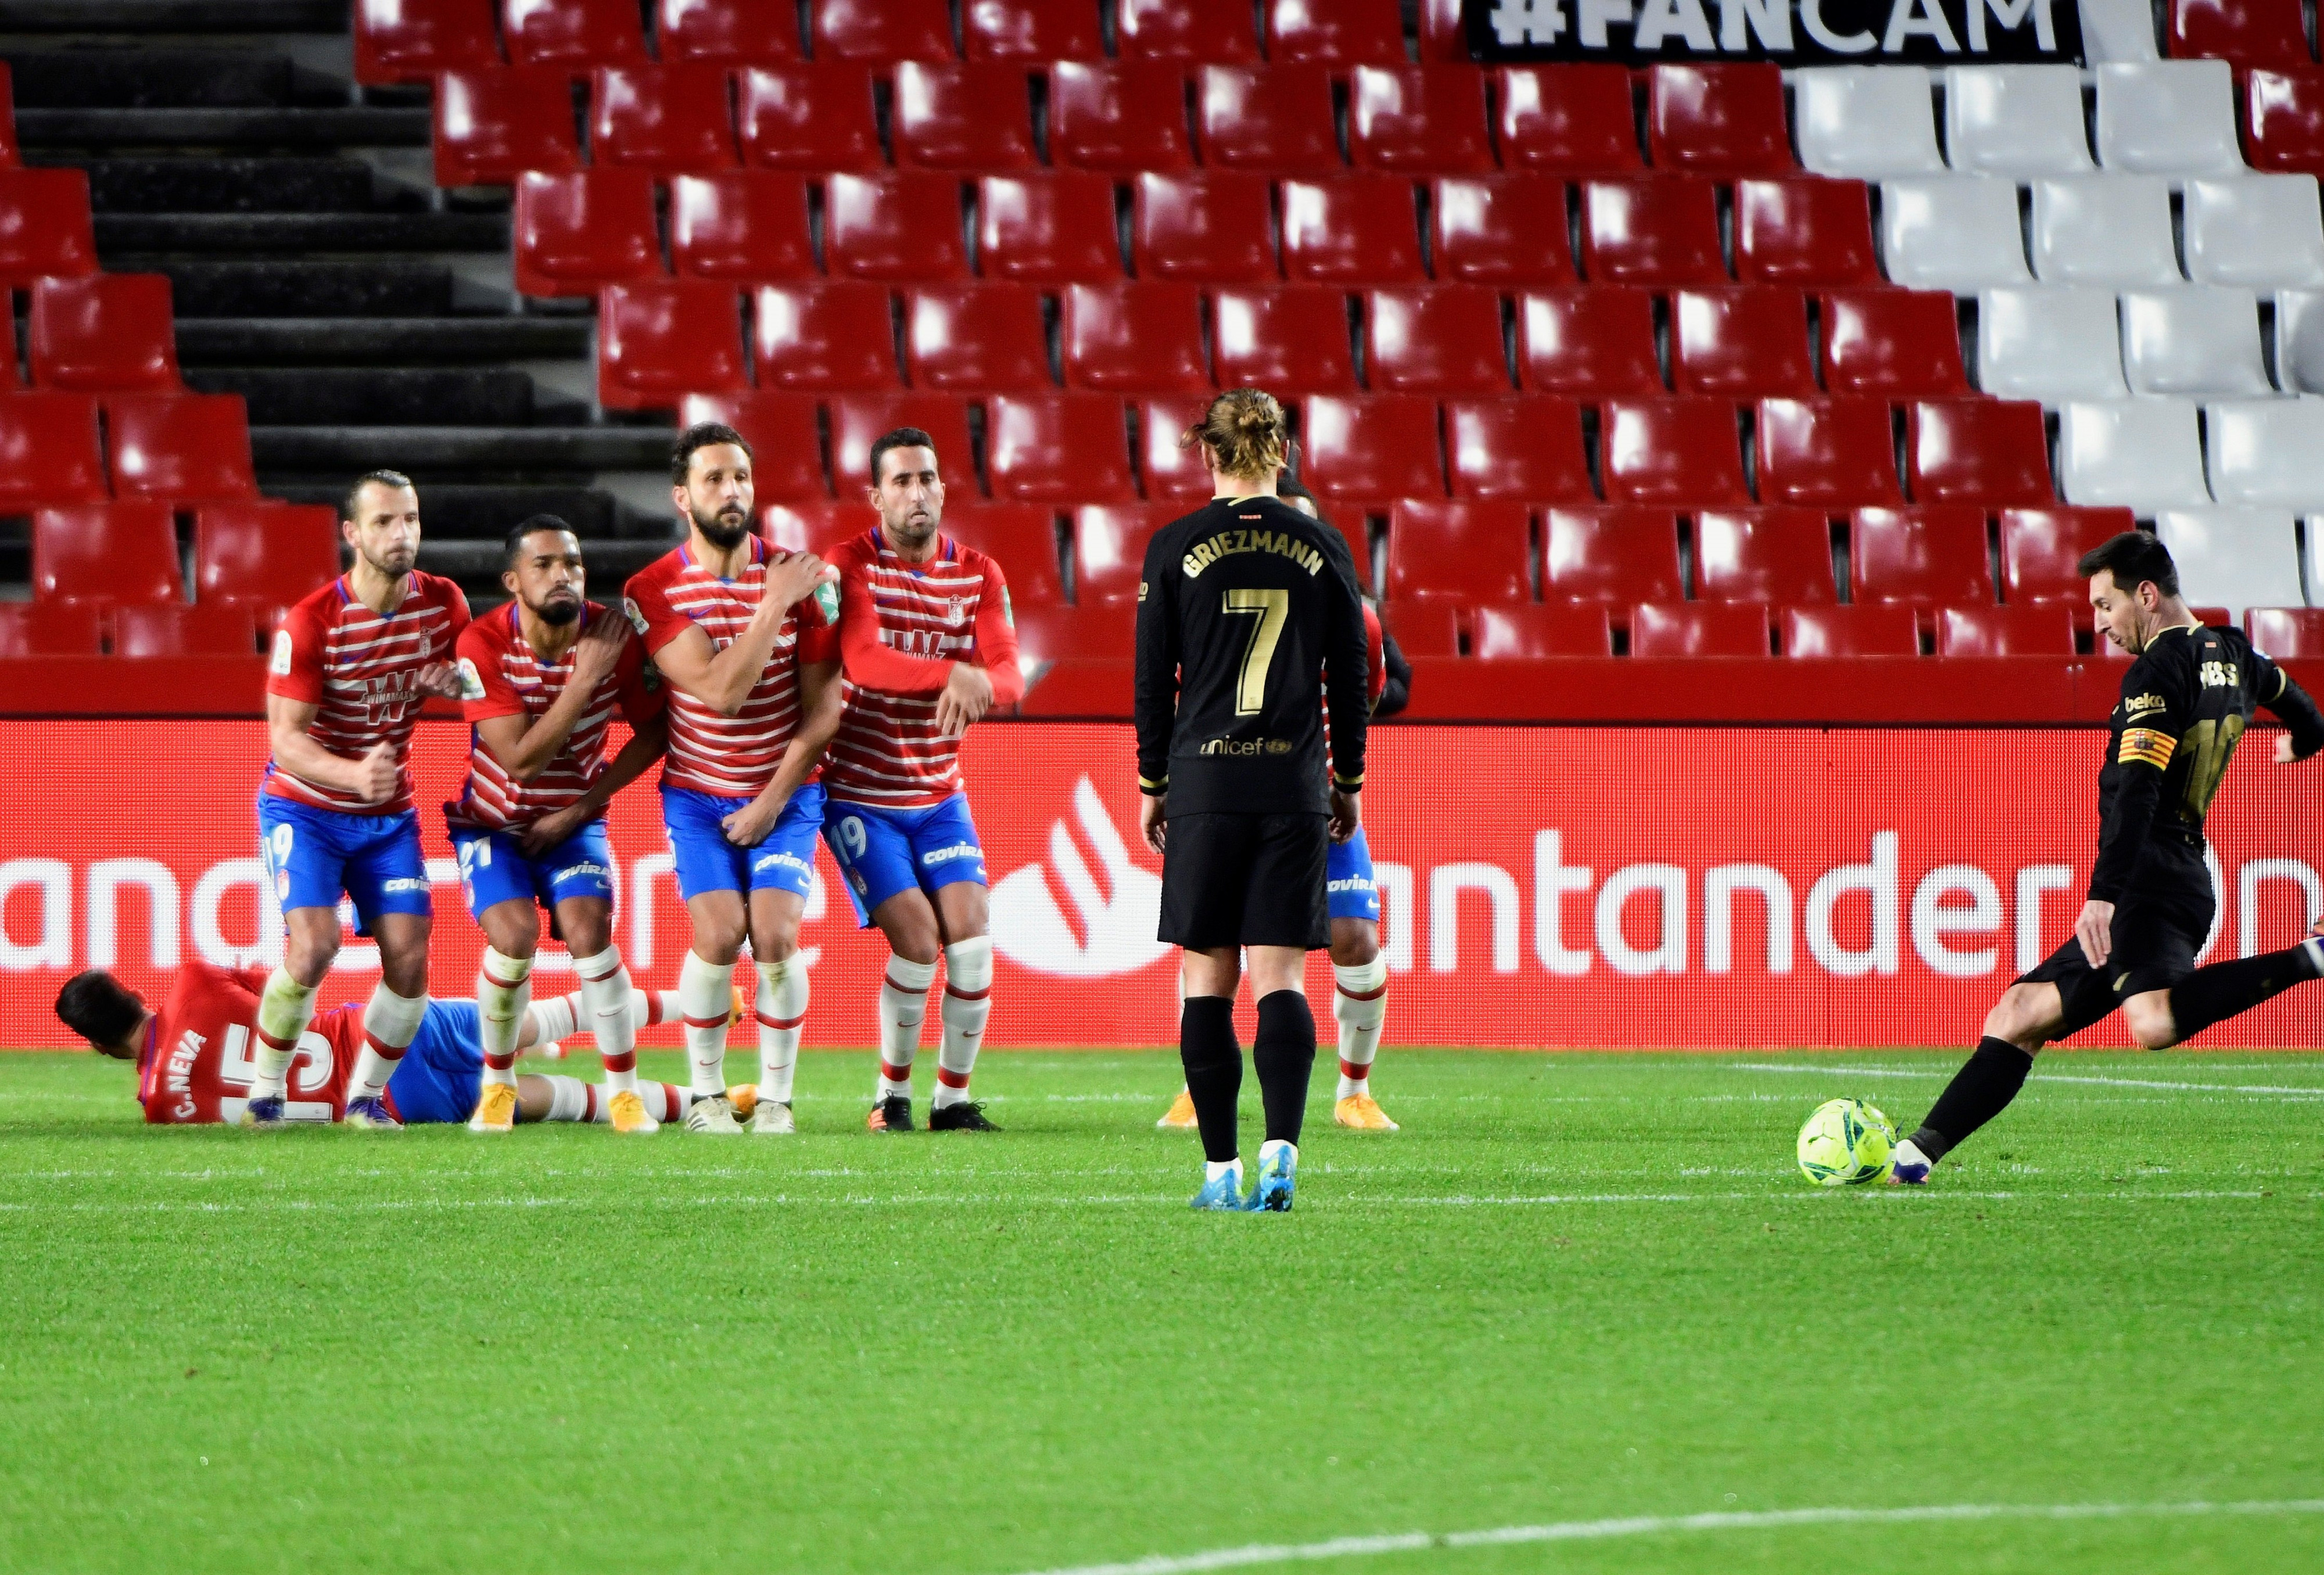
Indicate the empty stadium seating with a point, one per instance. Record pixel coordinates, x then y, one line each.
215 628
727 32
2031 630
1617 555
1775 555
106 552
957 115
184 448
2233 558
1699 629
833 337
1215 226
1058 448
573 33
1473 552
1519 632
1528 448
817 117
1293 339
105 332
1418 120
747 226
2040 545
1051 228
975 338
492 125
577 233
263 554
1877 628
1929 555
658 342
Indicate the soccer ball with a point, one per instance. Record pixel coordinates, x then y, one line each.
1846 1144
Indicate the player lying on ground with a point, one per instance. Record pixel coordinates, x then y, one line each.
928 648
2185 701
539 680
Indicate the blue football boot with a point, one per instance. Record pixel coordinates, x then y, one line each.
1220 1194
373 1114
263 1112
1277 1174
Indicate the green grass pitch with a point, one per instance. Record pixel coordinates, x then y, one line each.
1574 1287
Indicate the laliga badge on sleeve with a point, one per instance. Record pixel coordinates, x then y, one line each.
279 666
637 617
472 683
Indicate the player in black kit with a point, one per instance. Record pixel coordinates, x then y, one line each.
2184 704
1249 624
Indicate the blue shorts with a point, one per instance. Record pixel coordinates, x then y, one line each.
1348 881
783 861
443 1071
883 852
312 856
494 868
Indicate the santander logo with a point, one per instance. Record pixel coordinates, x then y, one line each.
1116 909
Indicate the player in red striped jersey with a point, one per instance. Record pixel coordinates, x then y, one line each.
929 647
743 636
539 680
352 664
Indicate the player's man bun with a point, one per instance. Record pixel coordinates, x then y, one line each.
702 434
2134 559
1246 431
98 1008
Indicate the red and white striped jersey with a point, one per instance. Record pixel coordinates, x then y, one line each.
360 670
196 1066
733 757
501 674
902 627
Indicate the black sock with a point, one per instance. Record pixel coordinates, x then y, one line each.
1981 1091
2214 994
1213 1063
1283 1055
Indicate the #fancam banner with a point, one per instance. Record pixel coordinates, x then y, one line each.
1551 887
1793 33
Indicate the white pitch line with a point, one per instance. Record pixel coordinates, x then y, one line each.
1577 1531
2312 1091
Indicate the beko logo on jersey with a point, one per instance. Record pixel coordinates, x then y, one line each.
1247 746
946 855
1227 543
2138 702
2220 675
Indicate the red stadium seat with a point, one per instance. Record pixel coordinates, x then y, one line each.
660 340
1991 452
2242 32
1031 30
1207 227
1418 120
1661 232
12 376
1900 344
1474 552
1684 453
1105 631
1382 446
781 429
746 225
1443 38
1119 115
1185 30
1933 555
2041 547
1135 339
1720 120
1568 120
1805 231
949 116
1522 633
184 448
1052 227
47 451
1699 629
1058 448
410 40
1618 556
1273 119
575 35
1362 229
1109 548
670 119
107 331
817 525
1501 229
884 31
816 117
579 232
1171 471
263 553
904 225
1742 342
45 227
1829 453
1289 339
1776 555
1022 539
1427 629
1878 629
2005 632
492 125
824 338
2293 633
1526 448
1590 343
53 629
1436 339
2285 132
106 552
976 339
213 629
725 32
1335 33
860 420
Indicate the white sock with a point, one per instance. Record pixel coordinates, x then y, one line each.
967 1002
1267 1149
706 999
503 992
782 1009
284 1010
554 1018
1358 1004
1214 1168
571 1100
605 991
389 1022
903 1009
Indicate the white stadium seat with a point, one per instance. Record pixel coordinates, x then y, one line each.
2049 344
2118 31
2233 557
1865 122
2141 453
2201 341
2300 341
2268 454
2169 117
2112 230
2311 563
1952 232
2015 120
2263 231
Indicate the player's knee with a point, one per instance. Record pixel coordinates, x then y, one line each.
774 942
2151 1025
517 933
585 934
2022 1017
1354 943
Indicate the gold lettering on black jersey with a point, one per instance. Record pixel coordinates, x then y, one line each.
1227 543
2210 745
2149 702
2220 675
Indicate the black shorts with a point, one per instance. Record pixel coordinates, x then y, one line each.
1245 880
2158 928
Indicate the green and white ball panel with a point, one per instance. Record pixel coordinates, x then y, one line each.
1846 1142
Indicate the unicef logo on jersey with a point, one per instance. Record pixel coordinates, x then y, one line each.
1028 922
